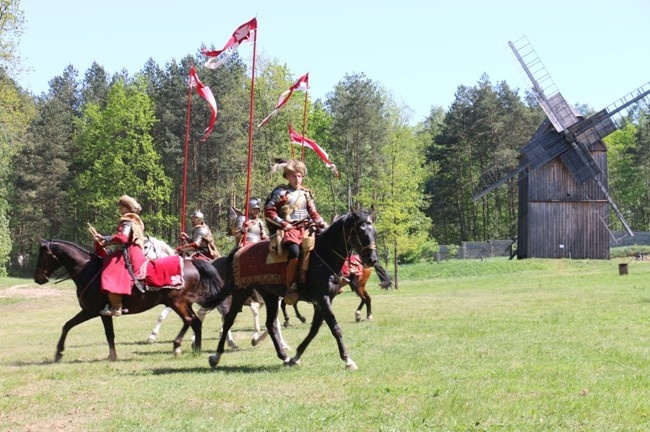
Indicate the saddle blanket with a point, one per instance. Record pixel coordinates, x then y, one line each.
250 266
166 272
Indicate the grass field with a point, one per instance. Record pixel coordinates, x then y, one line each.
492 345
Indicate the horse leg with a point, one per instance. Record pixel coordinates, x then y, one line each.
156 329
357 313
316 323
81 317
223 310
277 323
300 317
368 308
283 306
185 311
323 309
273 324
237 301
258 335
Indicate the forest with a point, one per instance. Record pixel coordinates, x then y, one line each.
68 154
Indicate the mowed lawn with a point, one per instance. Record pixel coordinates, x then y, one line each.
492 345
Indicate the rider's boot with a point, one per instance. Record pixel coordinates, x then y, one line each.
292 295
115 307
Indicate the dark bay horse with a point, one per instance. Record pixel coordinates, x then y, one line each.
200 279
353 231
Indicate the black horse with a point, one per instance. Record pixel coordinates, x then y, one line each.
200 279
353 231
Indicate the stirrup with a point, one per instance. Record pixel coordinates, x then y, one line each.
292 296
109 311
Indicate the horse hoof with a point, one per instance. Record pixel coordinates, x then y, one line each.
286 324
351 366
58 357
292 362
303 319
233 346
178 351
369 318
257 339
357 316
214 360
152 339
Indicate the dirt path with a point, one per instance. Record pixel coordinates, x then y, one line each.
29 290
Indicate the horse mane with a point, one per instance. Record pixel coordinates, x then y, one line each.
156 242
72 244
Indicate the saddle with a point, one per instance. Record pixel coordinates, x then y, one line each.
165 272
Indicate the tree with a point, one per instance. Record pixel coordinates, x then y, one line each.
398 193
12 20
114 149
16 111
41 169
359 130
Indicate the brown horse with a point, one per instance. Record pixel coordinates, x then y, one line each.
83 267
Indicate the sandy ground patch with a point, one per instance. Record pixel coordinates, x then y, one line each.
29 290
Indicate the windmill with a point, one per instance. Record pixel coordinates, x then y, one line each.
567 138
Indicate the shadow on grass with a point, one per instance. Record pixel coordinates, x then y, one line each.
220 369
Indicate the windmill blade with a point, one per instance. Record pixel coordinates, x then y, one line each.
580 163
498 183
556 108
608 120
614 207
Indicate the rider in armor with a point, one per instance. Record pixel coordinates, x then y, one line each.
122 267
201 243
253 227
289 208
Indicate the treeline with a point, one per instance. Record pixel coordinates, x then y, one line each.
68 154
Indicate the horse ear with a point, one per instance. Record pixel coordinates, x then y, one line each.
372 212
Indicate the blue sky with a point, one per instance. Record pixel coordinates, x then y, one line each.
420 50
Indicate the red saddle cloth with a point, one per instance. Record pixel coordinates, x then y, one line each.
352 265
166 272
250 266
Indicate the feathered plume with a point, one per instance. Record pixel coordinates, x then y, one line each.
279 165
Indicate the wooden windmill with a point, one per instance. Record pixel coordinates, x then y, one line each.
563 198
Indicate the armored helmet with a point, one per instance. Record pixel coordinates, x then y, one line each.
197 214
253 203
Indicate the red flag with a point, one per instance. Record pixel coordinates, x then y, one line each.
296 138
301 85
205 93
244 33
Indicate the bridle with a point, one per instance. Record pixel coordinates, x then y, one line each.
49 255
347 236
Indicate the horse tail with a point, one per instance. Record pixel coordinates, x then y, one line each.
223 267
211 281
384 279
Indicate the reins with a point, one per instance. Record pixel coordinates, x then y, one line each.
346 241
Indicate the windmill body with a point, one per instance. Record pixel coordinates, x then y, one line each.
564 202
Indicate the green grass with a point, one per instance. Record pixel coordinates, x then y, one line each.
493 345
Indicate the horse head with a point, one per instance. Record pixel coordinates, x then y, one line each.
46 264
54 254
361 235
155 248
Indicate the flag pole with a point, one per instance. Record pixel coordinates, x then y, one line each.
187 140
251 111
304 124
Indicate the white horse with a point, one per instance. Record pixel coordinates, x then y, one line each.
156 248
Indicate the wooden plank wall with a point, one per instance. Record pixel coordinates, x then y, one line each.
564 219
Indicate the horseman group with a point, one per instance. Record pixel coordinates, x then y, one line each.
289 211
